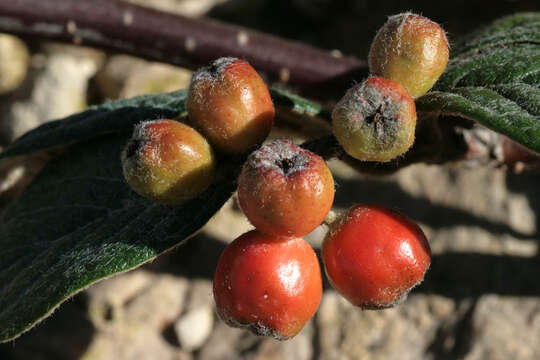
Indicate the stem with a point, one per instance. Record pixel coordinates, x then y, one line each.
178 40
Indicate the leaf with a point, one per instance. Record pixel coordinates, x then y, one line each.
77 223
109 117
494 78
298 105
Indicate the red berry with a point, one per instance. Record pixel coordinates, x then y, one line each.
285 190
231 105
374 256
268 284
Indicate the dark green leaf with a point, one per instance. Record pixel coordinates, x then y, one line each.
77 223
297 104
494 78
110 117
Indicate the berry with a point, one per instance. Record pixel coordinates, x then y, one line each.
231 105
268 284
167 162
374 256
285 190
411 50
375 120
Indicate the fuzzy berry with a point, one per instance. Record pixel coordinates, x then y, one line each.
285 190
375 120
269 285
374 256
167 162
411 50
231 105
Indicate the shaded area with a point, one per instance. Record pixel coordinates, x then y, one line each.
462 275
423 210
349 25
528 185
459 333
64 336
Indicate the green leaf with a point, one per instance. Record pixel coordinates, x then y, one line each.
298 104
110 117
494 78
77 223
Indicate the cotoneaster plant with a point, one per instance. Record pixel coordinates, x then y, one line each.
267 284
285 190
167 162
268 280
410 49
375 120
374 256
231 105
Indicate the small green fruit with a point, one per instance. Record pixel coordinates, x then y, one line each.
375 120
411 50
167 162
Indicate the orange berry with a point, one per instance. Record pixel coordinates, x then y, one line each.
231 105
285 190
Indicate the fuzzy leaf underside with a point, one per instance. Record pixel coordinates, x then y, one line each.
78 221
494 78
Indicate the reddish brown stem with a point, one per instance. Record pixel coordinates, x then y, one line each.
175 39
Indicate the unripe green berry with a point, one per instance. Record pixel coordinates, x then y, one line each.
167 162
375 120
411 50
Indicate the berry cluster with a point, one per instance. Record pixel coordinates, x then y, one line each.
269 280
170 162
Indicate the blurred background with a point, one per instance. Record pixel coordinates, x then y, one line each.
480 299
